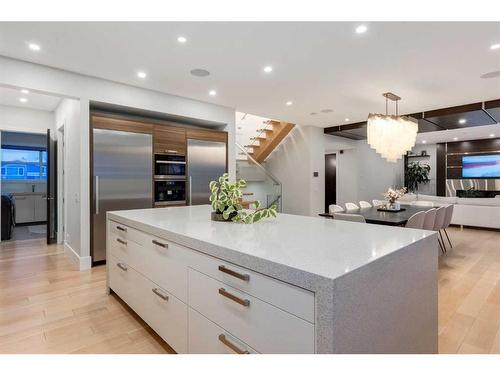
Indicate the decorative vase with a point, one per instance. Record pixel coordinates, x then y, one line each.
220 217
393 206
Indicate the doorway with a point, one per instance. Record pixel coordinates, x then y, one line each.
24 185
330 180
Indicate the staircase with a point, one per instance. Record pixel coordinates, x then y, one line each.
259 137
267 139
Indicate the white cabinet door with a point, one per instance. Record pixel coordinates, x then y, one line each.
25 211
40 203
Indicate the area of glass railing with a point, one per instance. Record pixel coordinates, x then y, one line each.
261 184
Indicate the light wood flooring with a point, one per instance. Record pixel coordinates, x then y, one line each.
46 306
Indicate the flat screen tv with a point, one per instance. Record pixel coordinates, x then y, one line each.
481 166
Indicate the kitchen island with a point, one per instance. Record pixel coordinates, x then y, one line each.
293 284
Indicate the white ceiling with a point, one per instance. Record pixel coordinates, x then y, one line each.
10 96
316 65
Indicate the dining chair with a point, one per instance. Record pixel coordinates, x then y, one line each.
335 208
351 206
416 221
423 203
377 202
438 225
447 221
349 217
365 204
430 217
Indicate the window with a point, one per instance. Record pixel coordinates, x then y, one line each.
23 164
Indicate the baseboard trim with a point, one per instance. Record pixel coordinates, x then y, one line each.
82 263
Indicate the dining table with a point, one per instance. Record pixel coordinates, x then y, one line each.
373 215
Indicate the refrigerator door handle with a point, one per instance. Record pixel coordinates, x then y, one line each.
190 190
96 194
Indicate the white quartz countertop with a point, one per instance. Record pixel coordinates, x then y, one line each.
289 246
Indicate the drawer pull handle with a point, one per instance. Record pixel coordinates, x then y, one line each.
241 276
158 243
232 297
121 228
233 347
121 241
122 266
160 294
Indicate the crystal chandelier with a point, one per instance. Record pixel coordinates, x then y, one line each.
391 136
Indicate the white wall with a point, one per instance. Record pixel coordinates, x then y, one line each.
293 163
347 167
40 78
361 173
376 174
25 120
67 114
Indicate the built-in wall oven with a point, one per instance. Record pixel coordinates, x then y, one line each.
169 166
170 180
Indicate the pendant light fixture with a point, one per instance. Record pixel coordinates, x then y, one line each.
391 136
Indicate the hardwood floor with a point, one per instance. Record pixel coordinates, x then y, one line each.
469 293
46 306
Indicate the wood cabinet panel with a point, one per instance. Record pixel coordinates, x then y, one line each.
206 135
169 140
111 123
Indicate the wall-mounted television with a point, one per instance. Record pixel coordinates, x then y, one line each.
481 166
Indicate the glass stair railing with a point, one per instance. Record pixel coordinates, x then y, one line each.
261 184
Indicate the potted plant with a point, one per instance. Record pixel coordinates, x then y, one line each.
226 201
416 174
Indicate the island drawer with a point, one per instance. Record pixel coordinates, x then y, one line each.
288 297
266 328
162 311
165 263
206 337
127 233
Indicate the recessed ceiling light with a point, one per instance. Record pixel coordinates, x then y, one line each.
455 139
492 135
141 74
212 93
23 100
24 91
462 121
182 39
495 46
200 72
361 29
424 141
268 69
347 119
289 103
34 47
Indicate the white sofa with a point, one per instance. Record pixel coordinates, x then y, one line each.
475 212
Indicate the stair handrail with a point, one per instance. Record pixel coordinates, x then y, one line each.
269 174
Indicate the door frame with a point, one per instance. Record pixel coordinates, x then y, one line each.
61 183
335 200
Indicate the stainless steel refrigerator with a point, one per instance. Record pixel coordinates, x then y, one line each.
122 167
206 161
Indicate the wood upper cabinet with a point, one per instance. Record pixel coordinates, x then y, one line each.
126 125
169 140
206 135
